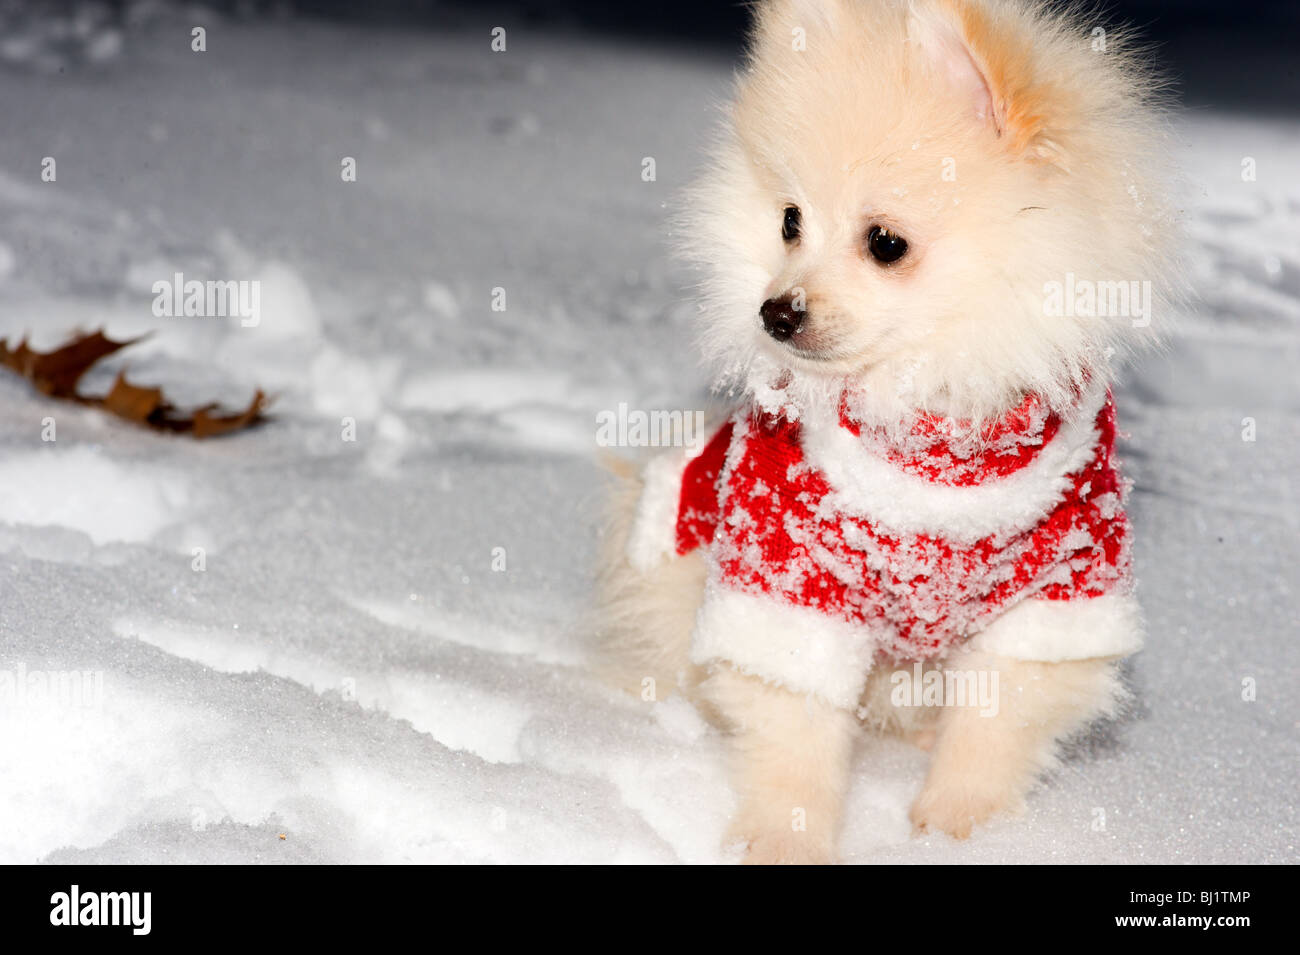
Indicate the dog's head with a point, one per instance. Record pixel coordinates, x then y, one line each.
901 189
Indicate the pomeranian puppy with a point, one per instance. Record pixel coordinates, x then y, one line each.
931 230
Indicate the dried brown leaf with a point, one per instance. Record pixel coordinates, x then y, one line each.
56 374
131 401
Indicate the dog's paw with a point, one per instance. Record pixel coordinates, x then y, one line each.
957 810
777 847
769 839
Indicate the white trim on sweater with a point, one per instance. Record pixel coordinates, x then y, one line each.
898 502
1052 631
654 528
800 648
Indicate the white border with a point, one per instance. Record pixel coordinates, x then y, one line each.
801 648
654 529
1052 631
897 502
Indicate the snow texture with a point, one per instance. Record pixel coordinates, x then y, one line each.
374 648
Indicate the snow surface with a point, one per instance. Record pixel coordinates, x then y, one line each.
348 670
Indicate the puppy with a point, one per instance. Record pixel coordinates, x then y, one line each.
931 230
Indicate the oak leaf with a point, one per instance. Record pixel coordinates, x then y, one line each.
57 372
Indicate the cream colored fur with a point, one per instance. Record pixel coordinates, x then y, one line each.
644 619
790 766
981 766
791 753
1057 156
859 126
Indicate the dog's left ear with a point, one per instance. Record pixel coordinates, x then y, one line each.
988 65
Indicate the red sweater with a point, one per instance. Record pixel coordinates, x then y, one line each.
919 539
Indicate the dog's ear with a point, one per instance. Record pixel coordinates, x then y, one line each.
988 64
938 38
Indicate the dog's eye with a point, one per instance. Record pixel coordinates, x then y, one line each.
791 223
885 246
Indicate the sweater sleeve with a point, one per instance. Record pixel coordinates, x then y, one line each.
799 648
679 505
1054 631
767 610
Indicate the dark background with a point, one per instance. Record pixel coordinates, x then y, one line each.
1227 55
1239 56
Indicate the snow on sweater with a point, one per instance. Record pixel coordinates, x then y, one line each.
833 548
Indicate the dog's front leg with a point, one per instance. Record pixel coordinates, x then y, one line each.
986 759
790 764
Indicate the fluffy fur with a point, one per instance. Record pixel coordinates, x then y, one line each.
1067 176
1011 145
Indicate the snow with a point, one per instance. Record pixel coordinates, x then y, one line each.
46 488
353 667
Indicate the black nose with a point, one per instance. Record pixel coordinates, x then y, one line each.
780 317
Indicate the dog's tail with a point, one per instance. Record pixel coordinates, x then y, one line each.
641 622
